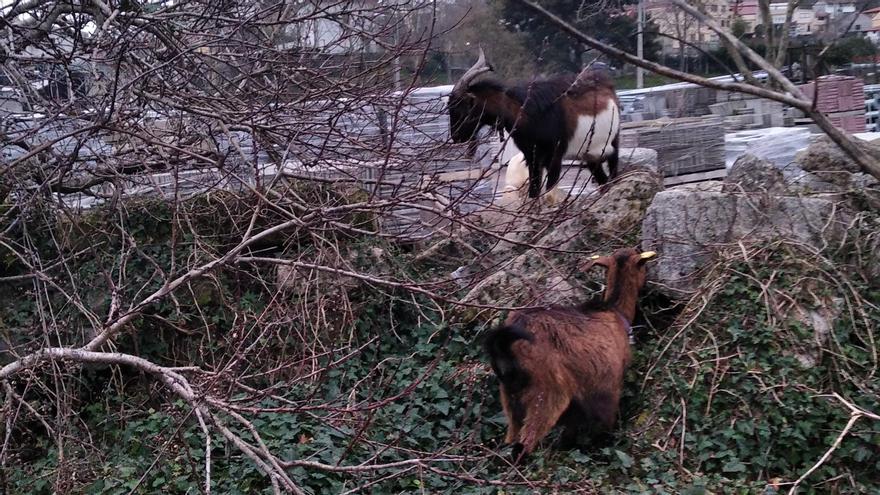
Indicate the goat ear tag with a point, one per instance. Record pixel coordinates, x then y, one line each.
647 255
595 257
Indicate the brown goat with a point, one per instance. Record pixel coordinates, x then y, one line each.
568 362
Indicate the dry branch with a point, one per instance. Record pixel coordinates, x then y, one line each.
792 96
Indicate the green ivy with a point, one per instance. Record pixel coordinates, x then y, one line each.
721 406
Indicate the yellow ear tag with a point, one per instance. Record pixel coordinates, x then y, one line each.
647 255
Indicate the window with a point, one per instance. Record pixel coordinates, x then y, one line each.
858 27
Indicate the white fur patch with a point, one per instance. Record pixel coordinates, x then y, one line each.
517 173
592 138
517 177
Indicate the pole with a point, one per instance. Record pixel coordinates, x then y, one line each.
397 79
640 73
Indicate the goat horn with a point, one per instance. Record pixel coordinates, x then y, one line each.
478 68
647 255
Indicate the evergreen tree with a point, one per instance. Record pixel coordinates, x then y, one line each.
614 24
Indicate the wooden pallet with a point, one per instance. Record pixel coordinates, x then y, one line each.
684 146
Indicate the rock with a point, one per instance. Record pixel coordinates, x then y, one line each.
819 318
527 279
637 159
833 171
799 181
686 227
752 174
533 278
864 181
623 206
829 162
864 191
705 186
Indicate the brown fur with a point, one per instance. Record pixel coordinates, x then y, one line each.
589 100
573 360
588 95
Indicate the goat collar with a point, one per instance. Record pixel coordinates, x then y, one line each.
626 325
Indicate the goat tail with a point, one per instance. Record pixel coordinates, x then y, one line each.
505 364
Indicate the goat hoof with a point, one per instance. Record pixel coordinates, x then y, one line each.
568 442
603 188
517 456
603 439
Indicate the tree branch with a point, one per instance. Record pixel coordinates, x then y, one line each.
847 143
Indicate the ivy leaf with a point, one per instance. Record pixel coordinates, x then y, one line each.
734 466
625 459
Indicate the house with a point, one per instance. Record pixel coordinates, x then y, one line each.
835 8
677 25
804 20
873 31
321 31
874 15
855 22
747 11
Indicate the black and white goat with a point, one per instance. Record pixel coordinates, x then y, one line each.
549 119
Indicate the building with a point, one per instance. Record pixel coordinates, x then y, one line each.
853 23
804 21
676 25
809 18
834 8
746 11
874 16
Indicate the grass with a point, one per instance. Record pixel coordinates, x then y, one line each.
628 81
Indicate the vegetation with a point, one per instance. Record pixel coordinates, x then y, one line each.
556 49
295 331
727 394
629 81
849 50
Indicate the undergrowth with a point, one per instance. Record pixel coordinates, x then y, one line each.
727 394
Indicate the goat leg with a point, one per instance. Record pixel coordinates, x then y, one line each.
614 158
517 455
542 413
572 421
514 411
597 171
535 177
554 171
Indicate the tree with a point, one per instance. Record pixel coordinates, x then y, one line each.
613 25
740 27
681 30
467 25
849 50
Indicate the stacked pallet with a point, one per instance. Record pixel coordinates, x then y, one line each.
872 107
684 146
752 113
687 102
841 99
